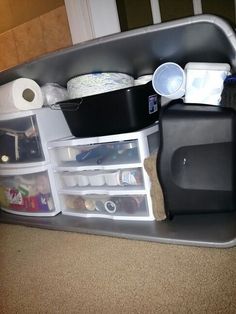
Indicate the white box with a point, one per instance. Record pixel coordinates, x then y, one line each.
204 82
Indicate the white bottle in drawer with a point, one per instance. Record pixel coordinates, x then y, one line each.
104 176
24 136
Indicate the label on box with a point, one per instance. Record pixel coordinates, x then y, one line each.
15 198
130 177
152 104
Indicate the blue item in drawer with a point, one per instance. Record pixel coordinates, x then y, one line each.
99 152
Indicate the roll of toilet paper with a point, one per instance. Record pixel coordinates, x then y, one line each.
20 94
97 83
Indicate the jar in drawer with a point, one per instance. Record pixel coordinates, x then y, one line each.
27 193
20 141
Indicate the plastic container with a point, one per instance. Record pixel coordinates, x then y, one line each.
28 191
69 179
109 153
82 179
112 178
24 136
169 80
115 112
20 141
205 81
121 207
96 178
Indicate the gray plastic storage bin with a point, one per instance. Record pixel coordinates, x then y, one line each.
202 38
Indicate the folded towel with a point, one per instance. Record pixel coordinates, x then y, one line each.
156 190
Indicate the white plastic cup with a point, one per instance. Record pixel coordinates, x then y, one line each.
168 80
96 178
82 179
69 180
112 178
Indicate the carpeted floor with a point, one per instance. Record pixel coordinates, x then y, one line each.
44 271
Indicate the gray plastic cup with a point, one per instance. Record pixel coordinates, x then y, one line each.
169 80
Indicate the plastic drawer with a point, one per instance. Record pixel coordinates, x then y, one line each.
123 207
28 192
20 141
101 178
111 153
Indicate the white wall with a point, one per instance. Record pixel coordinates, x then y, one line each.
90 19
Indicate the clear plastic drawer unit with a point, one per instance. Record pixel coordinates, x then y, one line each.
105 172
27 184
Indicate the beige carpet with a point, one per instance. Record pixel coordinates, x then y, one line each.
45 271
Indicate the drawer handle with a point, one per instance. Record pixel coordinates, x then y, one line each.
67 105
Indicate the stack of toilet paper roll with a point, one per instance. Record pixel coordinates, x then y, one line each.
20 94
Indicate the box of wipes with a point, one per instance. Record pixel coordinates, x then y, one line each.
205 81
